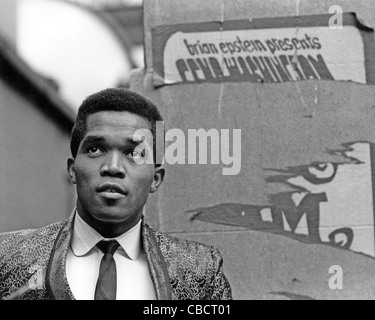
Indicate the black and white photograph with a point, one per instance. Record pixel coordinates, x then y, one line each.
187 150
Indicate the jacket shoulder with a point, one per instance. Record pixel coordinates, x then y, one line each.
171 245
27 233
21 241
195 269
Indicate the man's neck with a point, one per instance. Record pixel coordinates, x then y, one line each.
109 229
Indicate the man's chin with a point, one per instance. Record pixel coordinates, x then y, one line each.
112 215
115 215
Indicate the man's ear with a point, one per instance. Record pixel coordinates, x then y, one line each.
158 179
70 169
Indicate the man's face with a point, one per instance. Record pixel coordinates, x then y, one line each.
112 185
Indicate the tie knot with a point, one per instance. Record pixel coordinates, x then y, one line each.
108 246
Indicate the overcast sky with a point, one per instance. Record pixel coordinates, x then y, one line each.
70 45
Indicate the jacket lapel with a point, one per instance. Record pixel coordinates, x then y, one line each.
56 281
156 264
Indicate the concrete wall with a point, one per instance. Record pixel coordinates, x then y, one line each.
279 230
34 187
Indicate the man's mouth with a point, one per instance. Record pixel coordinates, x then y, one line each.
111 191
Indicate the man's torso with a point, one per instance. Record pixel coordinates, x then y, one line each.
32 265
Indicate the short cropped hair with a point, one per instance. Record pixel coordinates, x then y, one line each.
113 99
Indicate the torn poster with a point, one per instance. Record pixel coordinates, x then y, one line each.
267 50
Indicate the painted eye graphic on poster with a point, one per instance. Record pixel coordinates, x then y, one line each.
333 203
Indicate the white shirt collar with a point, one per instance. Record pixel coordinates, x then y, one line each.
85 239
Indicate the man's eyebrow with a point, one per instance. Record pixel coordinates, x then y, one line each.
92 139
101 139
133 142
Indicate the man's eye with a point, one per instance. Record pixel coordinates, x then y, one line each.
94 150
137 154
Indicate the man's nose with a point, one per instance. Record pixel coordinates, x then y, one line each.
113 166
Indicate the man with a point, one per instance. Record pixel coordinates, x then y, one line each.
105 250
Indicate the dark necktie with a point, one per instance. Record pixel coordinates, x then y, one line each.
107 282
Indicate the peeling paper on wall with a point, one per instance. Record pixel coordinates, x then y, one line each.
362 22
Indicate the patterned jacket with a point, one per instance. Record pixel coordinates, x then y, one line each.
32 265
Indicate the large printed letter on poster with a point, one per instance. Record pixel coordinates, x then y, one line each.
267 50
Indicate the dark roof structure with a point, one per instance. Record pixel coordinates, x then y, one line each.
41 91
